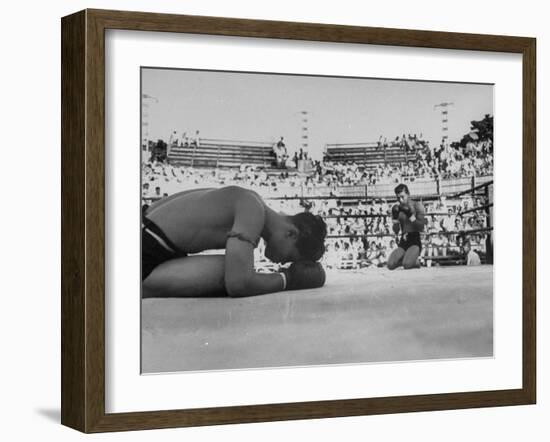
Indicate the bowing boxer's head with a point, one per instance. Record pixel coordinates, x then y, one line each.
300 237
402 193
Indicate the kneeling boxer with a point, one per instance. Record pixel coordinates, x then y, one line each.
408 216
234 219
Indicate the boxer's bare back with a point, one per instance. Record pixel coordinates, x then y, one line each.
199 219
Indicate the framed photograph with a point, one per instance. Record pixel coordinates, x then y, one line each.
268 220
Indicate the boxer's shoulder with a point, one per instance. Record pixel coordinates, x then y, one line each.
246 204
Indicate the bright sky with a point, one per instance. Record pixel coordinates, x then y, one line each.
263 107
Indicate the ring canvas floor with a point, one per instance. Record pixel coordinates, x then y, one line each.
373 315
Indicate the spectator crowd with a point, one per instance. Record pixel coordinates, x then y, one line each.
445 162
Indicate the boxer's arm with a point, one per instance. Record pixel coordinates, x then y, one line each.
240 276
419 220
396 222
396 227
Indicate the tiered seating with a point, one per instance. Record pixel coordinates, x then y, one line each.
222 153
367 154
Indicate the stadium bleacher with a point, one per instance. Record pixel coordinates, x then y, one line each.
221 153
367 154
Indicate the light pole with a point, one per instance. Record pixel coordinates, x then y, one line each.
444 119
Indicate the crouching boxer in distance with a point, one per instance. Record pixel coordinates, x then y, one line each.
234 219
408 216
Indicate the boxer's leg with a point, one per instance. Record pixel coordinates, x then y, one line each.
396 258
192 276
411 257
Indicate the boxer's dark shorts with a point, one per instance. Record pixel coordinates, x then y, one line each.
156 248
410 239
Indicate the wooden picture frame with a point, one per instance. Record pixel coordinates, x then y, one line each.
83 220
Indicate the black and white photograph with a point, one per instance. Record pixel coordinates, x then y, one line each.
304 220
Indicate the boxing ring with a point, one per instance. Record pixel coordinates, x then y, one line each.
369 315
483 190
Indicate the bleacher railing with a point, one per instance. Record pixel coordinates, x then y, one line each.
420 187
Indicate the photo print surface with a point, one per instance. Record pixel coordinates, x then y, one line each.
295 220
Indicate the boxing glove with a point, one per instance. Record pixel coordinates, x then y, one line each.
304 275
406 210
